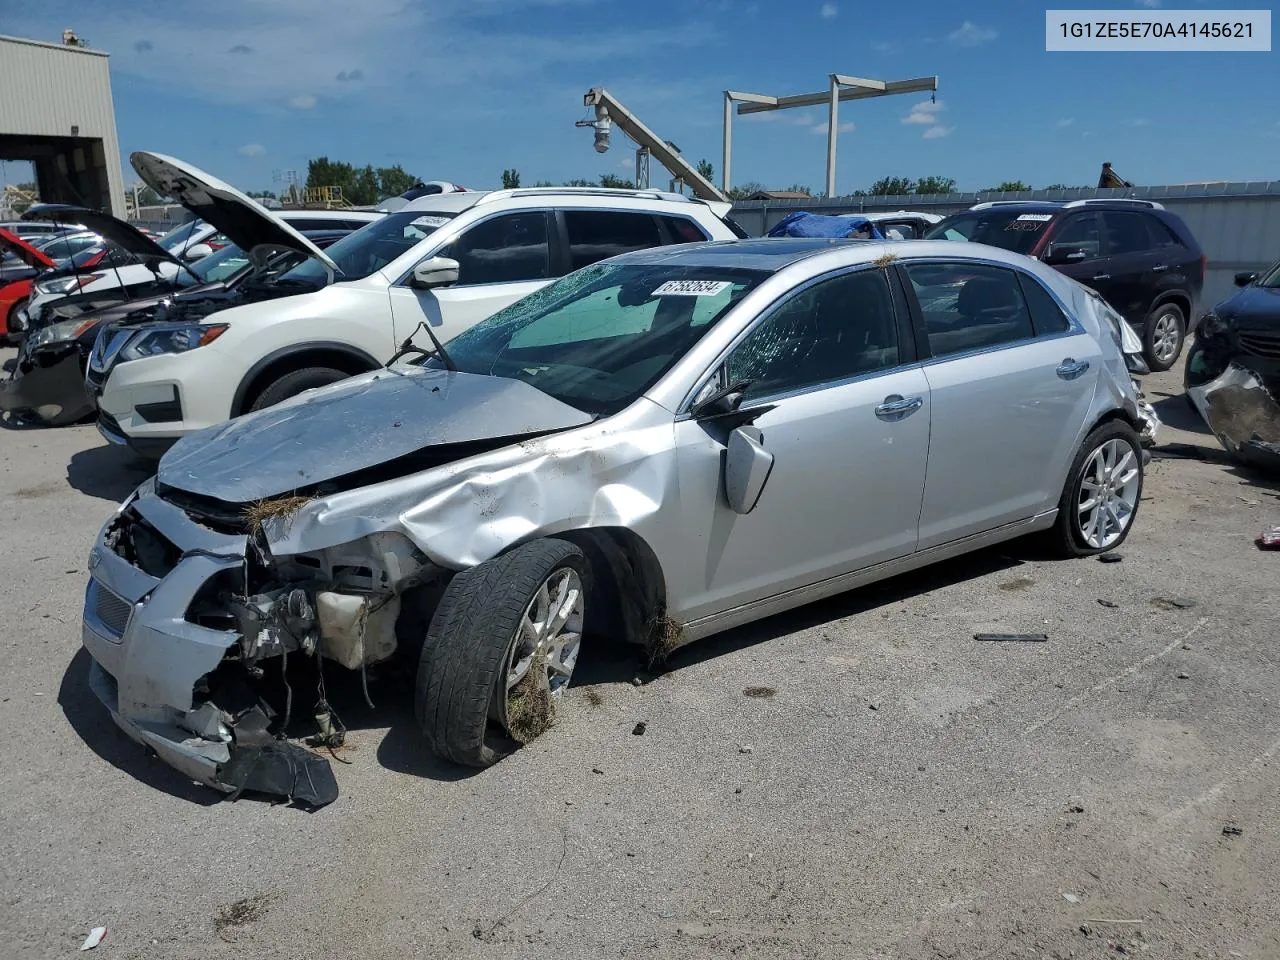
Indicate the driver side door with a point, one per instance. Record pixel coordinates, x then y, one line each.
844 411
501 259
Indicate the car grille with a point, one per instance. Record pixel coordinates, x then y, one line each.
112 610
1262 344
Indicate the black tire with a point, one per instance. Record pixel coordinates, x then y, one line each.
292 384
1163 312
1066 537
464 659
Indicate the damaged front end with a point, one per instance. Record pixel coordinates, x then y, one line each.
46 386
1243 414
192 629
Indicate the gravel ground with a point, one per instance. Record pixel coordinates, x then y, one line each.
896 790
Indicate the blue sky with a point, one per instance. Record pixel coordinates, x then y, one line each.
460 89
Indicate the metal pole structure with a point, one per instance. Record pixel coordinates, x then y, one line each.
728 141
833 125
841 88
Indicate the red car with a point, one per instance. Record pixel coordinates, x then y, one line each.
14 293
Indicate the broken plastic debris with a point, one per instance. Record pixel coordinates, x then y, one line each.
639 729
1110 557
1012 637
94 938
1070 898
1270 539
1231 831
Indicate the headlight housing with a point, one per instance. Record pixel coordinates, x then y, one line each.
165 338
64 331
66 285
1211 325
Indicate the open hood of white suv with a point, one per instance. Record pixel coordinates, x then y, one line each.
244 221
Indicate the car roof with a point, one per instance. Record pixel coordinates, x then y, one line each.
774 254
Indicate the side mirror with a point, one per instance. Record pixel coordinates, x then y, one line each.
196 251
720 402
747 465
434 272
1245 278
1066 253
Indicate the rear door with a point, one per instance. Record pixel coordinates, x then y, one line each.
1011 379
501 259
1132 259
590 235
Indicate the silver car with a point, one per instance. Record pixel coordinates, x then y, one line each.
658 447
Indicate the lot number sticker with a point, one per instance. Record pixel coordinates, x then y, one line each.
691 288
1037 217
429 222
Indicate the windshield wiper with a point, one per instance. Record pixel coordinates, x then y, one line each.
410 347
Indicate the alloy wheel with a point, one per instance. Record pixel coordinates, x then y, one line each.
549 636
1166 337
1108 493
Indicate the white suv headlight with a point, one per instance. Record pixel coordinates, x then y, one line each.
65 285
171 338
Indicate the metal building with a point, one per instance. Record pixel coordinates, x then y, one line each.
56 111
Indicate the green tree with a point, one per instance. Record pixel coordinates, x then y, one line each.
927 185
510 179
892 187
394 180
617 183
578 183
796 188
544 183
1063 186
745 190
1009 186
706 170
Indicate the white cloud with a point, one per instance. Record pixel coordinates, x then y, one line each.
303 101
936 133
252 150
825 125
924 113
626 163
1066 121
1140 122
829 11
969 34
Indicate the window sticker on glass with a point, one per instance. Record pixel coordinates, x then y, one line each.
691 288
1037 217
429 221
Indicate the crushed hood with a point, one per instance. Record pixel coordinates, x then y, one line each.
362 423
124 236
12 243
245 221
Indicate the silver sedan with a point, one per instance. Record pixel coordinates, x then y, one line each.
657 447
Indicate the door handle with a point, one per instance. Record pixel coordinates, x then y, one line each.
1101 276
1160 268
1071 368
897 407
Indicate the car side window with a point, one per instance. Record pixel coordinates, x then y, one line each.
597 234
838 328
969 306
1082 230
1162 235
1126 232
1046 316
504 249
684 230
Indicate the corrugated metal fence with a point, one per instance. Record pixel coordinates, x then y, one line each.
1237 224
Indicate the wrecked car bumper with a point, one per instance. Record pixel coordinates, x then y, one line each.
1243 414
49 388
147 658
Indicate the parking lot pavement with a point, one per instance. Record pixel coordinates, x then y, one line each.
891 788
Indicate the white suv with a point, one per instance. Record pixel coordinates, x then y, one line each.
446 261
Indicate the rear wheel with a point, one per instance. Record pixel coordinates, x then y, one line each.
500 651
1102 493
1162 339
292 384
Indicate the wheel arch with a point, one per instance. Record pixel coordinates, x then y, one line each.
1179 298
298 356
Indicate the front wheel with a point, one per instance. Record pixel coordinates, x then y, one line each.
1162 339
292 384
13 326
1102 492
500 651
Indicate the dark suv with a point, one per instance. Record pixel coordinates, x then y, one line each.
1139 256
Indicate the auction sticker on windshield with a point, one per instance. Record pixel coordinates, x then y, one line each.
429 222
691 288
1037 217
